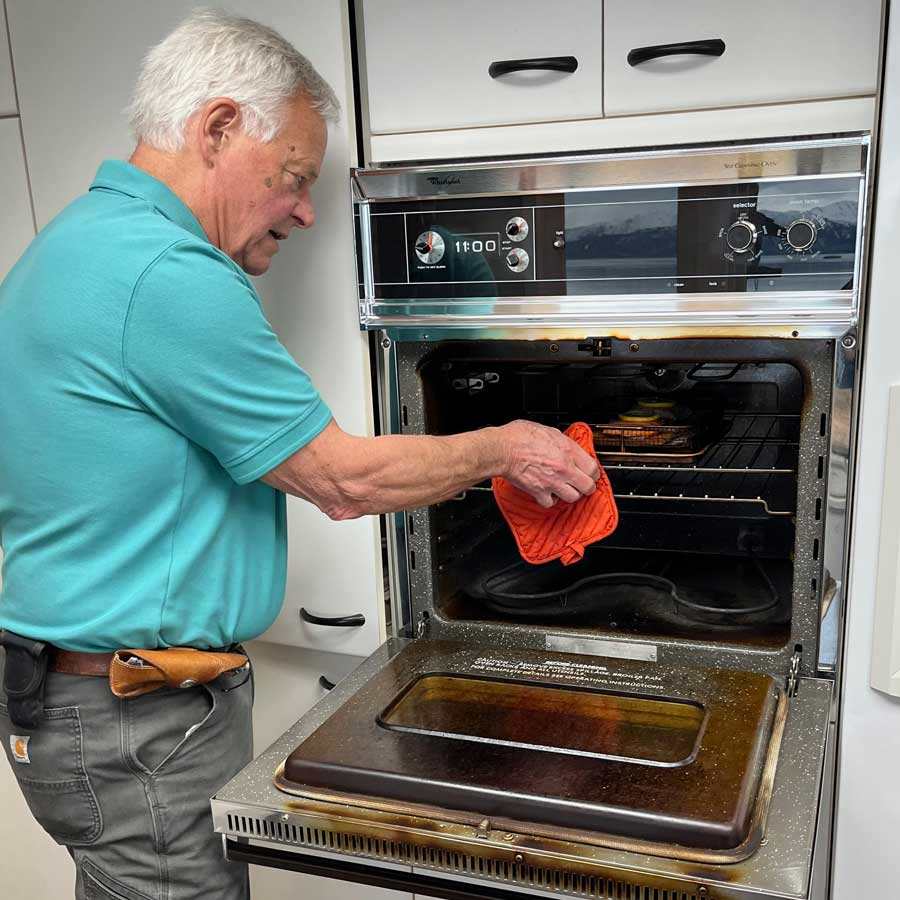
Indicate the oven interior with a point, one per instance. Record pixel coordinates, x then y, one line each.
709 455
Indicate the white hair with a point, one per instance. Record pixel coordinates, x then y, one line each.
214 54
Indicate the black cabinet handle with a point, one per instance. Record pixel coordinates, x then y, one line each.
325 683
712 47
543 63
353 621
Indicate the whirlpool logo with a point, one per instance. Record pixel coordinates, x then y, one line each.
443 180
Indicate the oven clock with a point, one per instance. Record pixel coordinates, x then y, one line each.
429 247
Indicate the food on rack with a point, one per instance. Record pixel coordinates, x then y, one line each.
665 410
639 417
564 530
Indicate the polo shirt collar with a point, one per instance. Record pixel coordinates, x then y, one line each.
116 175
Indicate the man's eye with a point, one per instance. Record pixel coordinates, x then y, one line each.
299 181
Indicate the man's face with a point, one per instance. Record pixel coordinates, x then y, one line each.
264 189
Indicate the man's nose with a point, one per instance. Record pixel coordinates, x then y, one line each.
304 214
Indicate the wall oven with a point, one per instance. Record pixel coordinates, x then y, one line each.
655 722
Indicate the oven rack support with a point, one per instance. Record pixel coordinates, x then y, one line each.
761 501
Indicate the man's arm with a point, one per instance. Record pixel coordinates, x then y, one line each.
348 476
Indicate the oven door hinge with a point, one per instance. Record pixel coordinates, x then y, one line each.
596 346
423 625
792 681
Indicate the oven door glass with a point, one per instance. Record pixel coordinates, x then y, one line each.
550 718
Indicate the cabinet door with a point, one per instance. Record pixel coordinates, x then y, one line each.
773 52
7 87
72 116
16 224
427 64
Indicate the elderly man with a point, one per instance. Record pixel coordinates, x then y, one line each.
152 423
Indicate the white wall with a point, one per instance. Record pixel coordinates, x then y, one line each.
866 861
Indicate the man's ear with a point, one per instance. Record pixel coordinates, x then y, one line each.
219 121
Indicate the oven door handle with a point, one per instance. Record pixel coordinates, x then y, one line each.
710 47
353 621
543 63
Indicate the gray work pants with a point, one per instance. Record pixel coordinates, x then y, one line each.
125 784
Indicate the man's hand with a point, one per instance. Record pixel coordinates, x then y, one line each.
545 463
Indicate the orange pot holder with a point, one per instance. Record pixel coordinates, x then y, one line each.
565 529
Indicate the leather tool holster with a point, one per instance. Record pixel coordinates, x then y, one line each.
136 672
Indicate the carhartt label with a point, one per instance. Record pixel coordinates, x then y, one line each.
19 745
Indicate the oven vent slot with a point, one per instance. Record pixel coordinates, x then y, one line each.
545 878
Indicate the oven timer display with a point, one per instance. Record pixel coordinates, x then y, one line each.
476 243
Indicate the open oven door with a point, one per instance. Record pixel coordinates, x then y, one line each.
458 770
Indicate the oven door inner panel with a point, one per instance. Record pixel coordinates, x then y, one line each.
669 755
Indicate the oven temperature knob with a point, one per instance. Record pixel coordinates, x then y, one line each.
517 260
741 236
429 247
801 234
517 228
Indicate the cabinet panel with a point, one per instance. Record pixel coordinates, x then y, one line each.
333 568
427 63
774 52
287 685
7 88
16 224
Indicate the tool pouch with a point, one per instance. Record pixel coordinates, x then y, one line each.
24 677
136 672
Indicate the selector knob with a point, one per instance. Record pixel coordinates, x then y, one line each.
517 260
517 228
741 236
801 234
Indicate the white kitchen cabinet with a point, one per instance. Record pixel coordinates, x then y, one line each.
7 85
16 223
427 64
774 52
72 115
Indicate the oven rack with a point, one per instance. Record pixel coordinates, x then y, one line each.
754 463
769 487
758 501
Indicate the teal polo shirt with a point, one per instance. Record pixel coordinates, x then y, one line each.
142 396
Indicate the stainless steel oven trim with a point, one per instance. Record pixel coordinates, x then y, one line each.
835 501
779 869
643 331
398 553
783 160
665 167
620 311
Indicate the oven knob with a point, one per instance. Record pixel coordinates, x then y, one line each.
517 228
517 260
801 234
741 236
429 247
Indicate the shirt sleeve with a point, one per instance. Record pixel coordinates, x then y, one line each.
198 352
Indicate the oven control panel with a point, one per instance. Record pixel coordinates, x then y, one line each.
796 235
